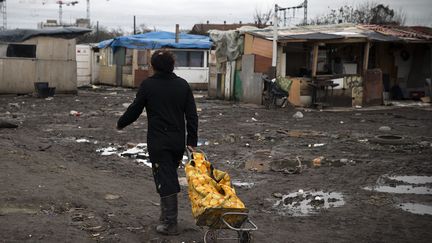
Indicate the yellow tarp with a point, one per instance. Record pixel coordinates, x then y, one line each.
208 187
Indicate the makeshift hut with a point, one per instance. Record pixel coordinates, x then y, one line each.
125 60
28 56
328 65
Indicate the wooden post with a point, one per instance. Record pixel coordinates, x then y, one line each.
177 33
366 57
314 59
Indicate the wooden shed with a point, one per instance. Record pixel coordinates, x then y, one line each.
29 56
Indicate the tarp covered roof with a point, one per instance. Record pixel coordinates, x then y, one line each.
347 31
20 35
157 40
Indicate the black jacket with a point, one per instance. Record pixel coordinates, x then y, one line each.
169 101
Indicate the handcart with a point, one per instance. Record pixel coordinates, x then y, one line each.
221 223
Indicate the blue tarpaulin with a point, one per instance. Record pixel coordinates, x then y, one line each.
157 40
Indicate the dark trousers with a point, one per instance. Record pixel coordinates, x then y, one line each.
165 174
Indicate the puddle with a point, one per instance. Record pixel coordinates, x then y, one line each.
308 203
413 179
401 189
403 185
416 208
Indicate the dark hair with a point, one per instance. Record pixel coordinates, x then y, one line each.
163 61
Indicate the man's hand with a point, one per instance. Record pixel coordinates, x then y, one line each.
191 148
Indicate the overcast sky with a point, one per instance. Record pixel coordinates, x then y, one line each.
164 14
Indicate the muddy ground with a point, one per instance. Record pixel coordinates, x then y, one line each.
54 188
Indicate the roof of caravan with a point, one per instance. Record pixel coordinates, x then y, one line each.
20 35
157 40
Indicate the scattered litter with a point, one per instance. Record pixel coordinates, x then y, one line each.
253 119
111 197
82 140
14 105
308 203
95 87
347 161
316 145
126 105
144 162
107 151
317 162
74 113
277 195
416 208
202 142
363 140
77 100
298 115
358 106
247 185
384 128
341 122
49 98
199 109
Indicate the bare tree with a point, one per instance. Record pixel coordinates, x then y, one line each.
143 28
262 19
365 13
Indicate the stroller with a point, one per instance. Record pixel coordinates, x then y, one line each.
215 204
273 95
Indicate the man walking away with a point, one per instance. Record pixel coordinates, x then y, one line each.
171 110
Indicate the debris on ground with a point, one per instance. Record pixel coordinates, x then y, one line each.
6 124
298 115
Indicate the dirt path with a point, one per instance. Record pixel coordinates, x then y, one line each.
55 187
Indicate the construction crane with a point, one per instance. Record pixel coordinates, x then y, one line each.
61 3
4 14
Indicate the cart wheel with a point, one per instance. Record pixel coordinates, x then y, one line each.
244 237
210 236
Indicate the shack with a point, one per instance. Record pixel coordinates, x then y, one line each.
87 58
28 56
125 60
337 65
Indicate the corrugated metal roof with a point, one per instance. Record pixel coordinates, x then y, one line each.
347 31
403 32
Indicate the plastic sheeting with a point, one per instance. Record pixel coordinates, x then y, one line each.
20 35
229 44
157 40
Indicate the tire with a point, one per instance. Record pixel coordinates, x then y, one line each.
210 236
245 237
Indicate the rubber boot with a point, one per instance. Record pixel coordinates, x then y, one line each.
169 214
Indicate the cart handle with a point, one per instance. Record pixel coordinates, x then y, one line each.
189 153
254 227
